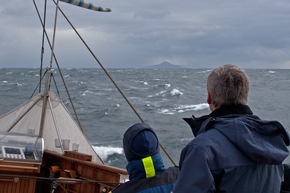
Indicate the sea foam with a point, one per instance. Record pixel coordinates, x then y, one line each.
105 152
176 92
183 108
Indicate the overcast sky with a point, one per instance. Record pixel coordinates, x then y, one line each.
191 33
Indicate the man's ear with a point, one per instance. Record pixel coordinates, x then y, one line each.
209 100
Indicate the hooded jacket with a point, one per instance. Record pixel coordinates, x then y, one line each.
233 151
141 143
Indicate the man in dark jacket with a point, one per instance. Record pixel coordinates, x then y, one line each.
147 172
233 150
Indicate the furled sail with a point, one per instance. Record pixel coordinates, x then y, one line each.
28 115
83 4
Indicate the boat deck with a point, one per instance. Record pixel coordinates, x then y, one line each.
75 173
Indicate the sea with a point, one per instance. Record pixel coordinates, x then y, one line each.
158 97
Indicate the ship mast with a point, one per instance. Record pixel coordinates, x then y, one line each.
45 99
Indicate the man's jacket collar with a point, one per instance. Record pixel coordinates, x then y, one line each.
204 122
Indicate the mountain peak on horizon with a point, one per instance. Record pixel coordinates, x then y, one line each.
165 64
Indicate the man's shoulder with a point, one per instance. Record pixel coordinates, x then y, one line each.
205 138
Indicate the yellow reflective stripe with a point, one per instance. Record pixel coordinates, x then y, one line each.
148 166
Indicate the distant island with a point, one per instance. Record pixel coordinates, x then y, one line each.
164 65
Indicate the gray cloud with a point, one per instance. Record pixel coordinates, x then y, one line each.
252 34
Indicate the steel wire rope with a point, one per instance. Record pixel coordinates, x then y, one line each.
109 76
56 179
42 46
38 85
58 67
60 72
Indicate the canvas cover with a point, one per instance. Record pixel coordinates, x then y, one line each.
58 124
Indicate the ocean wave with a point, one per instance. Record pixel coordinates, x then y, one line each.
141 81
176 92
183 108
104 152
84 93
166 111
204 71
197 107
166 93
12 83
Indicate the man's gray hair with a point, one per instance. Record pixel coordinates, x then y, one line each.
228 85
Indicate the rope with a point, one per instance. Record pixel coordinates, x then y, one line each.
97 60
42 46
103 68
54 33
56 179
109 76
58 67
55 84
39 84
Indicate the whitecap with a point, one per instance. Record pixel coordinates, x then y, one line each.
183 108
176 92
166 111
204 71
197 107
167 86
84 93
161 93
105 152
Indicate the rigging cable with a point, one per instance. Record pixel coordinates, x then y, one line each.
109 76
53 78
61 75
54 33
57 179
38 85
58 67
42 46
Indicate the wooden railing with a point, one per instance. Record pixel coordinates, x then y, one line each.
10 182
89 177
